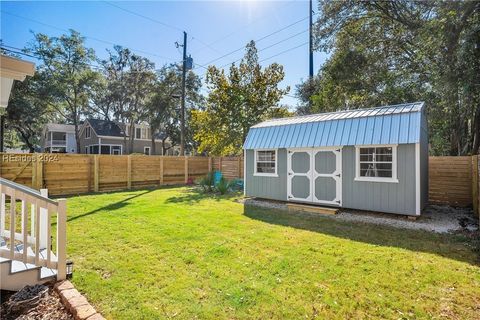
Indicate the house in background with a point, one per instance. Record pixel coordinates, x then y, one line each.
58 138
107 137
368 159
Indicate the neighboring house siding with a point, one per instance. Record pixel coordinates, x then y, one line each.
87 141
381 196
267 187
138 146
71 143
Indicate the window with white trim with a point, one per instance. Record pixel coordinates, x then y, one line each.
266 162
376 163
88 132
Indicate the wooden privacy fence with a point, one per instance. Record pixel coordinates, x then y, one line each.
64 174
452 180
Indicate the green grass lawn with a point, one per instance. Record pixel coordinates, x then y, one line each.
175 253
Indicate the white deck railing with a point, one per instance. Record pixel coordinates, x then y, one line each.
35 230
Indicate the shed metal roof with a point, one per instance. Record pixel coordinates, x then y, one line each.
384 125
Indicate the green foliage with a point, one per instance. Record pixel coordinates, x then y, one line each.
131 85
162 111
245 96
28 110
177 253
389 52
65 74
207 182
223 185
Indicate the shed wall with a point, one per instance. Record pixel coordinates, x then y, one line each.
362 195
266 187
381 196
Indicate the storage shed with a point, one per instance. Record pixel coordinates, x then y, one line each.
367 159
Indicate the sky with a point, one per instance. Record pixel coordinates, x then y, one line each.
150 28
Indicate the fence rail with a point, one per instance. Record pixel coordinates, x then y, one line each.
64 174
452 180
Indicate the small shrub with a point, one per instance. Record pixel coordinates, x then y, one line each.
207 182
223 185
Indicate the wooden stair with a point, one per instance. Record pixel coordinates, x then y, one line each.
311 208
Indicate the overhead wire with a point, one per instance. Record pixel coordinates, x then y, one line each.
89 37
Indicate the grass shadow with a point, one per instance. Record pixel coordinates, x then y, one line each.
453 246
111 207
194 195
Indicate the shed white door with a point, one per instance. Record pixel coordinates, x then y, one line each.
315 175
299 167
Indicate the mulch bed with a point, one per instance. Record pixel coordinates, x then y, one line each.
32 303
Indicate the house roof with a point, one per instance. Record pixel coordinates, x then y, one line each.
383 125
106 128
60 127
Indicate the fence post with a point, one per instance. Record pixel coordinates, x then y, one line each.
220 163
62 239
160 180
39 172
34 172
129 171
96 173
186 169
210 164
239 170
475 192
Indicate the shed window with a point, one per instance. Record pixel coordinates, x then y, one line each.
376 163
266 162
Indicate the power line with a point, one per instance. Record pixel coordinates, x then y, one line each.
96 67
145 17
258 40
270 46
244 26
88 37
285 51
159 22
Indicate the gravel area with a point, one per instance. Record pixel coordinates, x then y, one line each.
440 219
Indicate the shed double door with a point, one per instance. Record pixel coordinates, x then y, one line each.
315 175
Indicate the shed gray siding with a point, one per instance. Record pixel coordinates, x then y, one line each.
266 187
381 196
362 195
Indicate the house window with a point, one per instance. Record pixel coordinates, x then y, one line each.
88 132
116 150
138 133
266 162
376 163
146 151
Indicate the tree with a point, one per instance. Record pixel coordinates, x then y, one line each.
131 84
66 74
28 110
236 101
387 52
163 110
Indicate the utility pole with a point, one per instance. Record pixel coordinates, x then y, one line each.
311 41
184 73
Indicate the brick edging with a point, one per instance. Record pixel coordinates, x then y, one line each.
75 302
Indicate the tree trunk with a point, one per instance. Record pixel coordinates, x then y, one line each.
153 149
